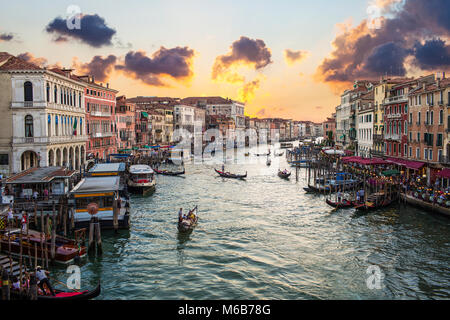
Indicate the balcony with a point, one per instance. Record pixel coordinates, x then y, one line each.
402 98
395 115
101 134
378 137
100 114
27 104
396 137
49 140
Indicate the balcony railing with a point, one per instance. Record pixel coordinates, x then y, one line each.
53 139
395 115
100 114
402 98
101 134
392 137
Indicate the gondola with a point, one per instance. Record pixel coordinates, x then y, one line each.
263 154
186 225
342 205
169 173
370 206
284 175
230 175
62 295
309 190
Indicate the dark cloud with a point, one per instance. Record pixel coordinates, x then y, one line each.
245 51
6 37
98 67
93 30
433 54
292 56
387 57
358 51
175 63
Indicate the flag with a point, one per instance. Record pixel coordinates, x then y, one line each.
75 128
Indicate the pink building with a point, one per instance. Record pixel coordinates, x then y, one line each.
100 103
125 121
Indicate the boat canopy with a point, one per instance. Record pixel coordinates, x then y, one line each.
108 167
95 185
336 152
141 169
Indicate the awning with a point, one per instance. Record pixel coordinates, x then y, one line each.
445 173
414 165
389 173
145 114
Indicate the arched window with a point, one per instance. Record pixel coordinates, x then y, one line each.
406 127
70 95
48 92
399 128
441 116
79 100
56 94
29 126
28 91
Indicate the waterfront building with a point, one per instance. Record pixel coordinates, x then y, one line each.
143 128
221 122
329 129
396 116
167 124
365 117
125 122
220 106
43 116
156 120
381 91
100 105
184 117
428 121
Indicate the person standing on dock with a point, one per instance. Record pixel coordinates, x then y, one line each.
24 222
41 275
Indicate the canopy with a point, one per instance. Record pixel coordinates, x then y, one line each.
414 165
445 173
389 173
145 114
94 185
331 151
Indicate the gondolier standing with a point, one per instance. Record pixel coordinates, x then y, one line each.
41 275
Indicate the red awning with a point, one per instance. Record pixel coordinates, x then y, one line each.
445 173
415 165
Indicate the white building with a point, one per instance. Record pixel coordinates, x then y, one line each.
220 106
43 116
184 117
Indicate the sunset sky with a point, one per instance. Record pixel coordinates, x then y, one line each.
286 59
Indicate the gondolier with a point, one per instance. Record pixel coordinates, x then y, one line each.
41 276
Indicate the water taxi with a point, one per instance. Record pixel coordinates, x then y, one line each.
141 180
105 192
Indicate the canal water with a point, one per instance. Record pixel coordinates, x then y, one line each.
265 238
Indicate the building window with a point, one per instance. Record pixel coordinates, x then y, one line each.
439 140
441 116
439 155
425 154
418 153
430 154
410 152
29 126
48 92
55 95
418 136
418 118
4 159
405 150
431 117
28 91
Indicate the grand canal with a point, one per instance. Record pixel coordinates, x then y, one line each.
264 238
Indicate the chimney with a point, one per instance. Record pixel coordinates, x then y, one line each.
107 85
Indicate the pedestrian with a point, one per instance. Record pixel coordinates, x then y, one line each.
10 217
24 222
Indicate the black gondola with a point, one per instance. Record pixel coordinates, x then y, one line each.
186 225
341 205
62 295
230 175
284 175
169 173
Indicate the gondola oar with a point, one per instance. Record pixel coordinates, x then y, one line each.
76 290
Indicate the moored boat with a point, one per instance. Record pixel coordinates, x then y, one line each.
230 175
170 173
61 295
66 249
343 204
141 180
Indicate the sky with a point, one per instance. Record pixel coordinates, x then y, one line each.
285 58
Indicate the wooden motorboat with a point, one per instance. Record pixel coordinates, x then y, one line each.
66 249
343 204
284 174
230 175
170 173
188 224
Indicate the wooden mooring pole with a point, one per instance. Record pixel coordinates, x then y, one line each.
5 285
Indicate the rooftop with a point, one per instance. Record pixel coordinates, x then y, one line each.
40 175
